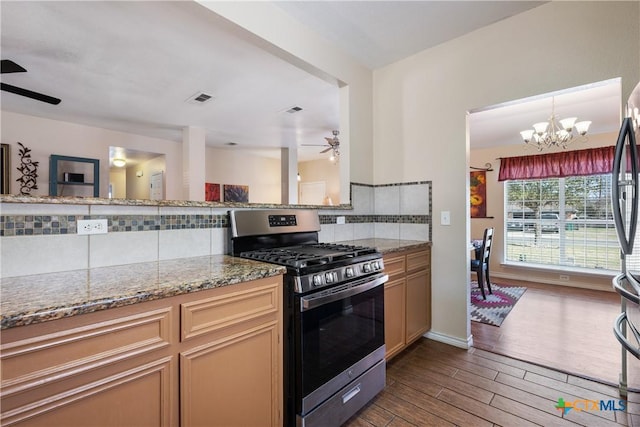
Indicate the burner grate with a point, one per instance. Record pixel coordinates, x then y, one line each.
308 255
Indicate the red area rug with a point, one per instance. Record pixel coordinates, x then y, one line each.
497 306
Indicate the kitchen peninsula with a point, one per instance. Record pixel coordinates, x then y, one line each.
153 308
172 342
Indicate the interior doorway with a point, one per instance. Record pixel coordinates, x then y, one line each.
494 133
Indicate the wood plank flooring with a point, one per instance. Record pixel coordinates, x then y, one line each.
553 344
565 328
434 384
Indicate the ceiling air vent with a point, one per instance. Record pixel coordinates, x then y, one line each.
199 98
294 109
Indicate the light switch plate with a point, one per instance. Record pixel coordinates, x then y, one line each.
445 218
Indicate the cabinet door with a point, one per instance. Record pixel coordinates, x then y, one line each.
230 365
232 381
394 314
418 304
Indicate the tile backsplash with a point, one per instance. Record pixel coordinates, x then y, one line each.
41 238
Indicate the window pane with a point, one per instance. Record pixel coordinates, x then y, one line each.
561 221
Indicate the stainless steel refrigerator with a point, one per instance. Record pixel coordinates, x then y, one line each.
625 196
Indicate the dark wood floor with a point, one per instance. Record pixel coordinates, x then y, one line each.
433 384
553 344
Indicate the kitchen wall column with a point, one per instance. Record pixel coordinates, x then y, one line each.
289 175
193 163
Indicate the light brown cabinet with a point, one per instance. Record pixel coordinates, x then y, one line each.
407 303
234 378
195 359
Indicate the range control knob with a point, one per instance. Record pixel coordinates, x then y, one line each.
349 272
366 268
376 265
328 277
317 280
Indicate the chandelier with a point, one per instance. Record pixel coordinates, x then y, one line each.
551 134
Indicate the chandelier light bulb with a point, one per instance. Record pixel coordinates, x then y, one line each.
541 127
527 135
583 127
567 124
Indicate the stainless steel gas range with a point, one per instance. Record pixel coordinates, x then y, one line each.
333 313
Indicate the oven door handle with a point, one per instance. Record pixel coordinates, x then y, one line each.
321 298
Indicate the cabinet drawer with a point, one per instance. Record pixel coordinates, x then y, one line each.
232 308
57 355
418 260
394 266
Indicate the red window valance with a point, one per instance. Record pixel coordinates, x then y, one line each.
592 161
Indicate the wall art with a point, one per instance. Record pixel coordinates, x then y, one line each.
478 196
236 193
29 170
211 192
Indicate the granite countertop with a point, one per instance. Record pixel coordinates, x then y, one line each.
43 297
59 200
387 246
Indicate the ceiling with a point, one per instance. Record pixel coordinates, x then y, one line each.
377 33
500 125
114 69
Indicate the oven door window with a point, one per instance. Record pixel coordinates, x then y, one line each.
338 334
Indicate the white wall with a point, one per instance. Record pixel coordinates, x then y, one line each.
239 167
118 180
46 137
139 187
420 104
322 170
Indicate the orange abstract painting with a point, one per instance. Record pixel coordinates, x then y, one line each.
478 196
211 192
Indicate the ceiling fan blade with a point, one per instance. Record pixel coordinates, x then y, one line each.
8 66
30 94
313 145
325 150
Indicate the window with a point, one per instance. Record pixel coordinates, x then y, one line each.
565 222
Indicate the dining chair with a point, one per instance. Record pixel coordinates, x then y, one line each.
481 264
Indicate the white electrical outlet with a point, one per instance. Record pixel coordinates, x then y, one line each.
564 277
93 226
340 220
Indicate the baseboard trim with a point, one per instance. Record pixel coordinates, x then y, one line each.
448 339
547 281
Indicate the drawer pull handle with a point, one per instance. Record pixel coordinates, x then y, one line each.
350 394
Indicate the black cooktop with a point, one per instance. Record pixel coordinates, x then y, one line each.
316 254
